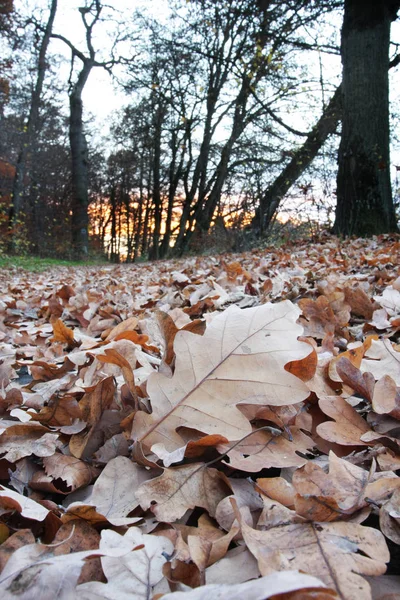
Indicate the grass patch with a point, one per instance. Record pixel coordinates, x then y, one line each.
34 263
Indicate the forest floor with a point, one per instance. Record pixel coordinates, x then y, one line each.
221 426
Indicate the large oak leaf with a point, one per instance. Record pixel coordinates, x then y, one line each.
239 359
337 553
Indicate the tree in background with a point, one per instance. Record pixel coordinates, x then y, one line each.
90 14
29 138
210 138
215 80
364 194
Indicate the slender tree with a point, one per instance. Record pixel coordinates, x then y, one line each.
90 15
30 130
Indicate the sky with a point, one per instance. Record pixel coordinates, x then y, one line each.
101 97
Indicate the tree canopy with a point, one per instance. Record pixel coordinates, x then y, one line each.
232 110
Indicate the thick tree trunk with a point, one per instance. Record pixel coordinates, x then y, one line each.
364 195
31 129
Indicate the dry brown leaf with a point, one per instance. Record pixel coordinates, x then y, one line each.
20 538
115 358
20 440
304 368
240 358
352 356
266 449
114 495
169 331
337 553
178 489
76 536
126 325
350 374
389 518
343 491
63 334
360 303
348 426
74 472
93 405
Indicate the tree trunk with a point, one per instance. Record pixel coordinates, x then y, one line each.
364 195
31 129
79 156
157 199
301 160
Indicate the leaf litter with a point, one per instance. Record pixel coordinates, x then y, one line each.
219 426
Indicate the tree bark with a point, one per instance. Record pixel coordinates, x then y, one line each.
79 157
364 194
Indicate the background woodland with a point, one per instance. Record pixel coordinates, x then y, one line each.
234 111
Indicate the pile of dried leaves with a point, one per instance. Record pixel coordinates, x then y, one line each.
216 427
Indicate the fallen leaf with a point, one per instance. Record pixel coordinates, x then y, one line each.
10 500
181 488
18 441
337 553
114 495
208 381
259 589
267 449
135 576
63 334
348 426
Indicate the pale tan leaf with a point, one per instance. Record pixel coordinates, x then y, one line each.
135 576
348 426
265 449
258 589
239 359
384 397
10 501
114 493
181 488
34 572
381 359
73 471
278 489
237 566
245 495
25 439
337 553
